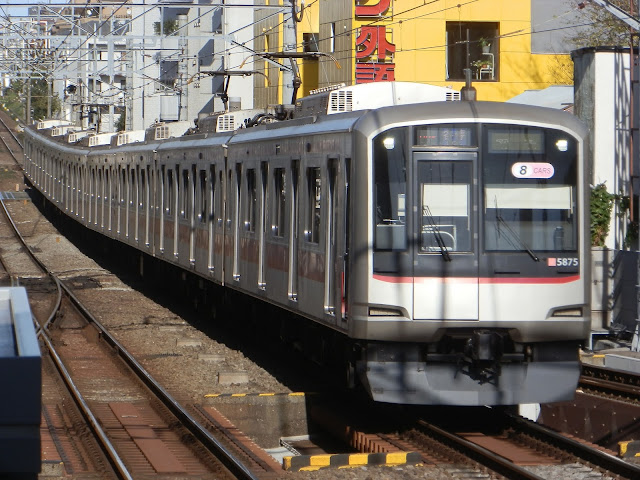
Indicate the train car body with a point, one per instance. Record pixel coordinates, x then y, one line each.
443 242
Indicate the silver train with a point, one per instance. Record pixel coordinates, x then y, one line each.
442 243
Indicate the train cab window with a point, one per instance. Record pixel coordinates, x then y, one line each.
445 204
389 190
314 205
252 201
280 202
530 189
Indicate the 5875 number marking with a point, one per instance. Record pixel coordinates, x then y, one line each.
562 262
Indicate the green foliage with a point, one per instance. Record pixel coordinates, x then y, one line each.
631 238
601 206
121 124
600 26
15 99
13 104
168 27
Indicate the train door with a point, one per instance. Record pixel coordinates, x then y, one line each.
210 212
445 246
190 186
261 227
292 281
332 269
218 216
234 177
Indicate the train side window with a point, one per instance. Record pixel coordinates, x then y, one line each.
123 184
314 205
142 200
184 195
390 187
133 189
230 204
211 211
169 184
252 200
280 201
202 196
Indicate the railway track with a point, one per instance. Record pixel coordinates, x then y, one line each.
492 441
138 428
614 382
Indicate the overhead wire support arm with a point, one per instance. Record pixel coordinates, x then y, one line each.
292 56
230 73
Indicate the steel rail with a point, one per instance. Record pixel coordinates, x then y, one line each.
204 436
602 459
480 454
108 448
112 455
14 137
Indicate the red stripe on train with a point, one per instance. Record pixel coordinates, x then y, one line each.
482 280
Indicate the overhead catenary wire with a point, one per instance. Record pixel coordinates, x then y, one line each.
210 8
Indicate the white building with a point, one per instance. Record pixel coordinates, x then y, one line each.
154 62
603 101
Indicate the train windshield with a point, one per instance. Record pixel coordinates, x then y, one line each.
529 178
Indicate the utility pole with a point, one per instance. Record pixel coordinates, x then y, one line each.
289 45
49 94
183 61
27 113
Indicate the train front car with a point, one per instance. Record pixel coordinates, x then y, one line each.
469 271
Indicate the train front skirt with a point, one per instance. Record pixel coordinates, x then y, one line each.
423 383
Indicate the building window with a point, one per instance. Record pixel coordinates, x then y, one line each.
310 42
332 38
472 45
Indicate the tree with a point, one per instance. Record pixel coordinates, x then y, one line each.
121 124
40 99
168 27
595 26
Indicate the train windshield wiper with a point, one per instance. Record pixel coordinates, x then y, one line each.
436 233
515 235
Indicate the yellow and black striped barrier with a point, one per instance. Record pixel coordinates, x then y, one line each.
629 448
292 394
346 460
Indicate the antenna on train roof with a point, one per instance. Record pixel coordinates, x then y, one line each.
468 92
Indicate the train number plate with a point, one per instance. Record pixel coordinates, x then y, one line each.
562 262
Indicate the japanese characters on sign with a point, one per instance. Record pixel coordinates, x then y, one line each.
374 59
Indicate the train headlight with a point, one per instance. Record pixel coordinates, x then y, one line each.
384 312
567 312
562 145
389 143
